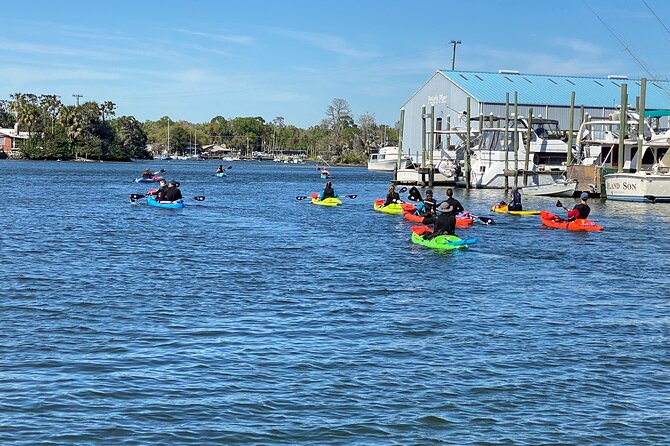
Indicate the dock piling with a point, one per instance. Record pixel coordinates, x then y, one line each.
529 133
506 143
623 127
640 126
466 155
571 120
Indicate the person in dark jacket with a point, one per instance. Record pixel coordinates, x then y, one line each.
328 192
392 196
173 193
515 204
427 206
581 210
147 174
450 215
161 191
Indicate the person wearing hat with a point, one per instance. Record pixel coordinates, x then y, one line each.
173 193
446 221
392 196
581 210
515 204
147 174
328 191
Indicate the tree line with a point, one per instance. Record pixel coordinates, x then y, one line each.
91 130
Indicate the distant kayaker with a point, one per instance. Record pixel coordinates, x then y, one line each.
392 196
581 210
173 193
515 204
328 192
220 169
147 174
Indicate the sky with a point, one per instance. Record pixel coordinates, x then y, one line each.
200 59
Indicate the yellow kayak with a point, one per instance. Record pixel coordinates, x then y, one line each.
393 208
503 210
330 202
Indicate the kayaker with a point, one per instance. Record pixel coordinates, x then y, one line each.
220 169
161 191
173 193
147 174
392 196
515 204
328 192
442 223
427 207
581 210
456 208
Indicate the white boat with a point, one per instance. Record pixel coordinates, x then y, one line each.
546 159
651 185
385 159
559 188
598 144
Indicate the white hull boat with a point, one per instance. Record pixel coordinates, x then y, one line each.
639 186
385 160
559 188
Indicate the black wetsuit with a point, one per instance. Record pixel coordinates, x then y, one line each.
584 210
391 198
328 192
451 216
160 193
515 205
172 194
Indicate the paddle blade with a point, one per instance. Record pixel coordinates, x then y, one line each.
414 194
199 198
402 190
301 197
351 196
486 220
559 204
229 167
135 197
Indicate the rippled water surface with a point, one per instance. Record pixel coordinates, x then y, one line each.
253 318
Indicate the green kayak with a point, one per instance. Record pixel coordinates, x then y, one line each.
443 242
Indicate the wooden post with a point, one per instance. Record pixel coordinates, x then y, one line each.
448 134
571 119
516 140
431 146
466 155
423 141
400 134
481 123
623 127
640 127
529 133
506 143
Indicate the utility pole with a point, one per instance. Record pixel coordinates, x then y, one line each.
77 96
453 54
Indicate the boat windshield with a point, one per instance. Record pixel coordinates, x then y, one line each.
547 130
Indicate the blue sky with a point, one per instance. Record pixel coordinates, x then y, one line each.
197 60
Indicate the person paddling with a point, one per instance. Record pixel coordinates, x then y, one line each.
427 207
392 196
581 210
173 193
161 191
220 169
147 174
328 192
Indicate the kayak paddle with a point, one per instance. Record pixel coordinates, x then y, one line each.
304 197
469 241
560 205
135 197
485 220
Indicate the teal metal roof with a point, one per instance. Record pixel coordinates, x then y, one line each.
544 89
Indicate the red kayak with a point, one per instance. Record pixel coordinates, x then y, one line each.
462 221
580 224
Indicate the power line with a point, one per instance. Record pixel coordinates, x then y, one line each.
629 51
657 17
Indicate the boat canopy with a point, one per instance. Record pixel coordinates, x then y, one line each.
656 113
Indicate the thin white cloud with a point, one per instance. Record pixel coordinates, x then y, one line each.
26 75
239 39
328 42
579 46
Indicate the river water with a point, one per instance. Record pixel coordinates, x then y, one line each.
254 318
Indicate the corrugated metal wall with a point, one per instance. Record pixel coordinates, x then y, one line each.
450 100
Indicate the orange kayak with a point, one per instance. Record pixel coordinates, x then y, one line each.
580 224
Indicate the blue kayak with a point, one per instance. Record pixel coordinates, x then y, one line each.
167 205
221 174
